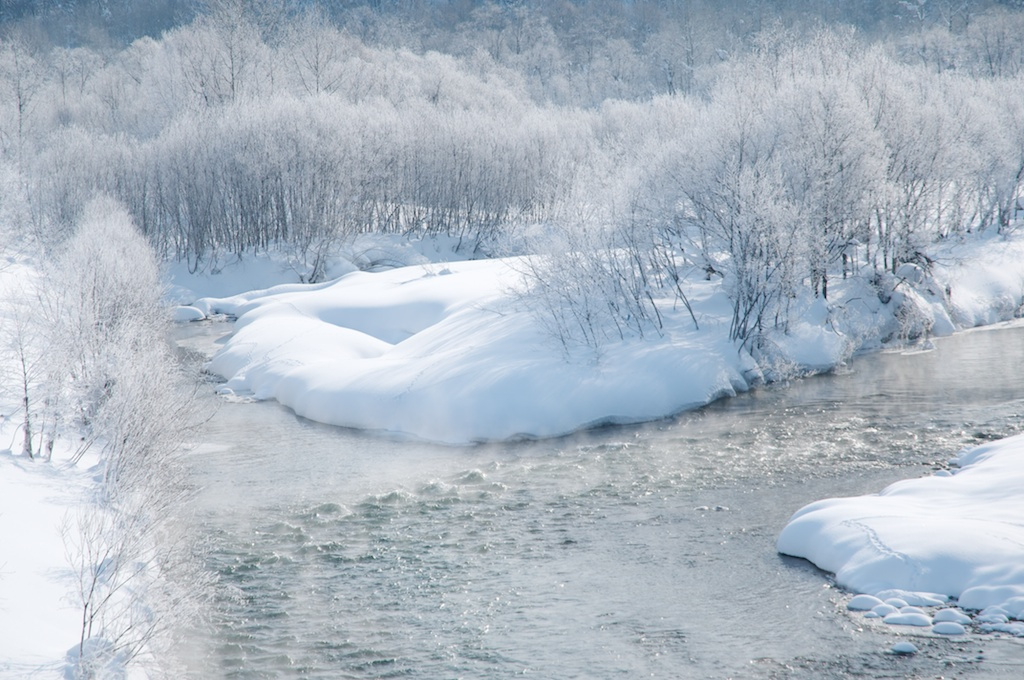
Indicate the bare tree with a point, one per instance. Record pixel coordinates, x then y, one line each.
22 342
21 77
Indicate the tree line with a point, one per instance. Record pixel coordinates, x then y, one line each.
777 157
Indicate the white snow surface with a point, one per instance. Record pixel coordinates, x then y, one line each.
448 353
38 619
959 535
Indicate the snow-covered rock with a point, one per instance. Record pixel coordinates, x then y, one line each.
863 603
908 619
951 615
904 648
949 628
186 313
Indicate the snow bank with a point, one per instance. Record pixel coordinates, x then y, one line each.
984 279
235 274
959 535
37 620
446 353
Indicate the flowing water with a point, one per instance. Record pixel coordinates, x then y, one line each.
624 552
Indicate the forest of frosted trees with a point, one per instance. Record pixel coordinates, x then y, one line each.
777 145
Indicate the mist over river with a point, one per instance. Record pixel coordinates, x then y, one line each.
646 550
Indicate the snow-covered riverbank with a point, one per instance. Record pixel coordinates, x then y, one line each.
924 541
39 622
96 578
450 352
453 352
958 537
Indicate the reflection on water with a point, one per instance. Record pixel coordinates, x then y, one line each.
620 552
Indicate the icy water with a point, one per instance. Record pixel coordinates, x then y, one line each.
626 552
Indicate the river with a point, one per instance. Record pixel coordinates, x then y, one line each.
623 552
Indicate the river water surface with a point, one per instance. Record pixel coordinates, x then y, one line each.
625 552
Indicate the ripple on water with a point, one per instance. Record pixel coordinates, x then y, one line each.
323 511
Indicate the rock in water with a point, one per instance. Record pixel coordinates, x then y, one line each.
954 615
862 603
949 628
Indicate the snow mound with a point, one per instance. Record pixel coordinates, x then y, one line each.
863 603
904 648
960 535
949 628
908 619
452 355
185 313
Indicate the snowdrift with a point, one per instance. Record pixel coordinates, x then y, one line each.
957 535
451 354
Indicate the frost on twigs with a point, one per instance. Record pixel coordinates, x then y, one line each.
109 383
593 285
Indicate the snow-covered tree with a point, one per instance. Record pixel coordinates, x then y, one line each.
121 394
22 76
